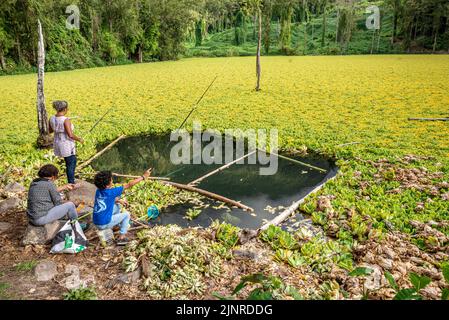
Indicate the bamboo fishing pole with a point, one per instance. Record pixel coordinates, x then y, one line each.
98 121
294 161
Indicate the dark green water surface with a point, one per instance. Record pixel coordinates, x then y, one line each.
239 182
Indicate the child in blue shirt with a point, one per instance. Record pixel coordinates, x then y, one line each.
107 205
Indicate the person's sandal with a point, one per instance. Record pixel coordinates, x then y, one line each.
122 242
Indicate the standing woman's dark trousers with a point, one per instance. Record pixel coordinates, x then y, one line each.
70 164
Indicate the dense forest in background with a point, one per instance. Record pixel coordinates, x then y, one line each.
125 31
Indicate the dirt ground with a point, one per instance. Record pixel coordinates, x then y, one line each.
102 268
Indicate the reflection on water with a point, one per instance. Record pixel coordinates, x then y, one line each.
267 195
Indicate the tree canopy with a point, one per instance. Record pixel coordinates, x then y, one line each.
120 31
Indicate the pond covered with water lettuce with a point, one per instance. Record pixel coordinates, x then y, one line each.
267 195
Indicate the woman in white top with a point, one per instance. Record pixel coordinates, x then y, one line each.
65 140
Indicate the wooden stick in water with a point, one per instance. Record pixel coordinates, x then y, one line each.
209 195
193 183
428 119
88 162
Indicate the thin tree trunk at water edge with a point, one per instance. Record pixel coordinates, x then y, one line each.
259 45
2 61
44 140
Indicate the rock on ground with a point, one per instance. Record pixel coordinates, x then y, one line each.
85 194
45 270
4 226
14 187
41 235
247 254
9 204
74 281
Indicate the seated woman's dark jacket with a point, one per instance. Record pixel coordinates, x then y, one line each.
42 197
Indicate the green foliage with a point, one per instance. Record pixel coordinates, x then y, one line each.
111 49
26 266
391 280
361 271
175 263
3 288
279 239
266 288
240 28
68 49
418 282
192 214
81 294
226 234
317 253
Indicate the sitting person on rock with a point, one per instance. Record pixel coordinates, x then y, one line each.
107 209
44 200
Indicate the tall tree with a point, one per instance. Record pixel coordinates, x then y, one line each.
267 13
285 8
44 140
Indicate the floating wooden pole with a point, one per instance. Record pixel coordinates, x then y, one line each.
209 195
290 210
428 119
220 169
88 162
295 161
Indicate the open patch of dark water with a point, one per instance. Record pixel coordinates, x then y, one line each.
267 195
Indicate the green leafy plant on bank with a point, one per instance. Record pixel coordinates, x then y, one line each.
81 294
265 288
192 213
26 266
418 283
318 253
226 234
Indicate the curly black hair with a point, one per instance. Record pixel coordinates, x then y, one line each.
103 179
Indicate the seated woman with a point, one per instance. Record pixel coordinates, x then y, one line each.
44 201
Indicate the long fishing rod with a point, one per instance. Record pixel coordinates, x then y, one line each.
98 121
195 106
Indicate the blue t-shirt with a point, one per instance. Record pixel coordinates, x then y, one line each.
104 205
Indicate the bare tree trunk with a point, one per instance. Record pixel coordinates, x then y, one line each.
2 60
44 140
435 41
338 26
140 54
323 36
372 42
259 45
395 26
305 38
254 25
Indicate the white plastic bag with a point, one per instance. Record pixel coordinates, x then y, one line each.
70 239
